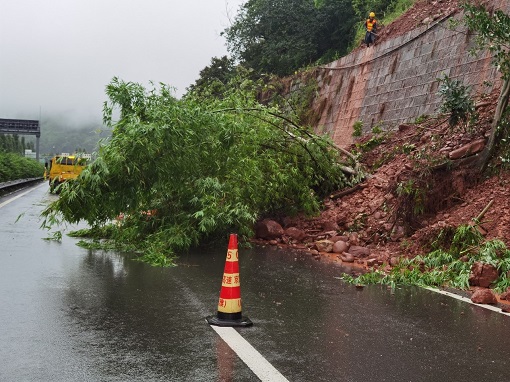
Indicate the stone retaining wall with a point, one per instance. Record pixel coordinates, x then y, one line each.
396 81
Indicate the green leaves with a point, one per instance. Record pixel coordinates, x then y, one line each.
445 268
214 77
14 166
456 100
181 172
278 37
493 33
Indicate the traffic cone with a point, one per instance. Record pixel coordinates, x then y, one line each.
229 303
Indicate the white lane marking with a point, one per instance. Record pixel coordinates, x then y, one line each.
465 299
249 355
17 197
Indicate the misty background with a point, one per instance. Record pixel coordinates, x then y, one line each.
56 57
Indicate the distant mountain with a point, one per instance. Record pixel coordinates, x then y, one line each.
58 136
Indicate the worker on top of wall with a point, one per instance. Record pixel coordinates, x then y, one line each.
371 27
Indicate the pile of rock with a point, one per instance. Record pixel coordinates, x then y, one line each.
348 247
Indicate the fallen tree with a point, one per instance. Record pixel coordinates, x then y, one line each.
184 172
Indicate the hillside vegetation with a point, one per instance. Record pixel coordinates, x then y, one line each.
277 38
13 165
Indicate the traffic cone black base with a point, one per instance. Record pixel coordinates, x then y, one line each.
215 320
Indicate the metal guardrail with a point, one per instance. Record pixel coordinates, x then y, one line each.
5 186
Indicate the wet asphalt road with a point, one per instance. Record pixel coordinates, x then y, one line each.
70 314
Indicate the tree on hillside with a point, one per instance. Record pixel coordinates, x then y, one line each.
274 36
337 28
214 77
492 29
278 37
11 143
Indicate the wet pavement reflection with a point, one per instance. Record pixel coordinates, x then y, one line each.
70 314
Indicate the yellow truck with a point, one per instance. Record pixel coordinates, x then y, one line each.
64 167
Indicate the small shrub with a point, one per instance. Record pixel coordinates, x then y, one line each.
357 129
456 100
407 148
414 195
377 129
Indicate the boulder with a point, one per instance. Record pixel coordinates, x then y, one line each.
483 275
336 238
324 245
346 257
295 233
427 20
483 296
268 229
330 226
398 233
354 238
505 295
287 221
359 252
340 246
372 262
394 261
404 127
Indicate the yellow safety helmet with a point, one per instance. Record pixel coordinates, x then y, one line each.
372 14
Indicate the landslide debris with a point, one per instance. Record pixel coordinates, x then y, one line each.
377 222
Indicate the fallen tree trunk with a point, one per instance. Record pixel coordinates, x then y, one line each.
485 156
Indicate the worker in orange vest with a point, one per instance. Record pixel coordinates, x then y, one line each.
371 27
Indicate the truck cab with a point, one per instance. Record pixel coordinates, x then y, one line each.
64 167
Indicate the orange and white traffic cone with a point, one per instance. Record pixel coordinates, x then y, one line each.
229 304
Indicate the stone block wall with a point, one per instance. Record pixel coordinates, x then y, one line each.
395 81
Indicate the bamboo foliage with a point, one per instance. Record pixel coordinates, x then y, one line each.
184 171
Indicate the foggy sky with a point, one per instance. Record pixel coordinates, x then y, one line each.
57 56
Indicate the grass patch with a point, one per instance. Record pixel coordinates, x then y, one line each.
445 268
